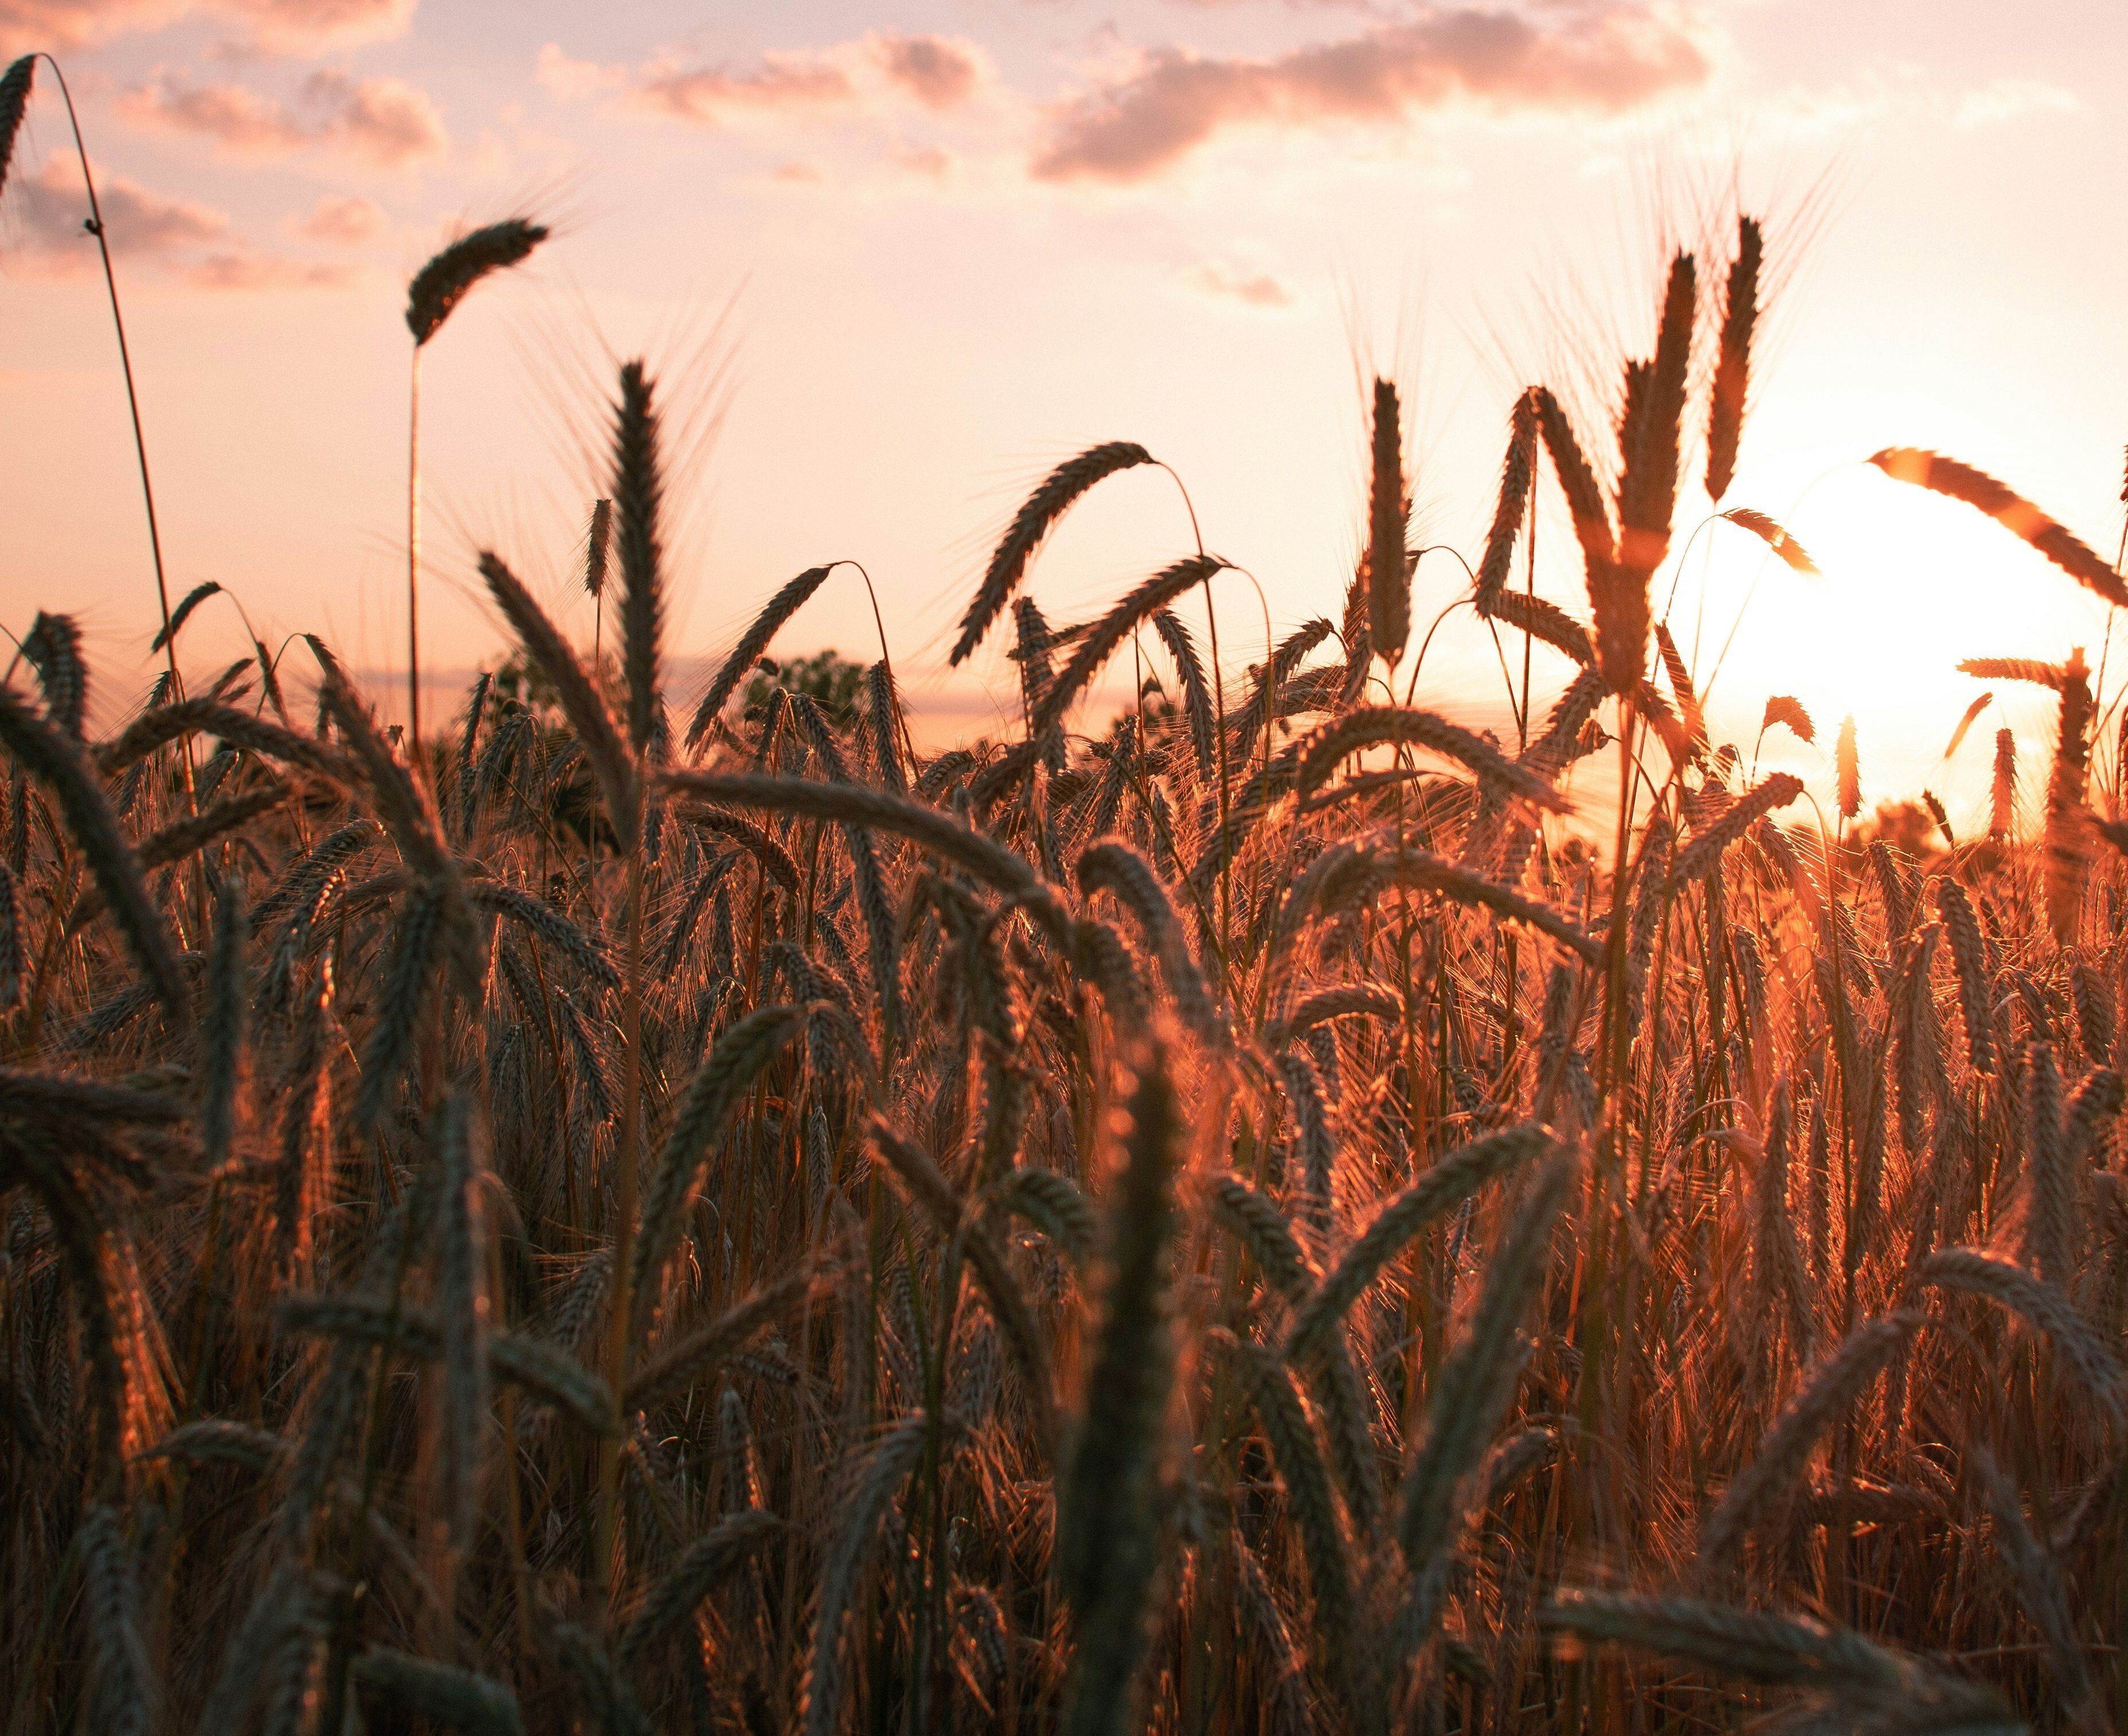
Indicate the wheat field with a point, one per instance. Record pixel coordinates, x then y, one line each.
637 1210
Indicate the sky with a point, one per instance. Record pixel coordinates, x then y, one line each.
891 261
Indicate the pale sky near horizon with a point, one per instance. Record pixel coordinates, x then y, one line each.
894 259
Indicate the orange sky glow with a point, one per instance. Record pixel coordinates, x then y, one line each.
892 261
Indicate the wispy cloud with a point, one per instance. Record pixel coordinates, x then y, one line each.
137 221
2013 99
939 73
174 239
343 220
872 72
283 26
1257 289
245 272
383 122
1605 58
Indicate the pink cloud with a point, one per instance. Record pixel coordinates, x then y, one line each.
1251 288
928 161
249 271
136 221
709 95
1605 59
174 237
240 120
294 26
386 123
868 72
939 73
343 220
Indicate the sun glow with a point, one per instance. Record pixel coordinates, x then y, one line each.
1909 586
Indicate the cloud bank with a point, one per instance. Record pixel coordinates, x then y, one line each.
284 26
384 123
1604 60
872 72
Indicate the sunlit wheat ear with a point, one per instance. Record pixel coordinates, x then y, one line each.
2049 1225
417 943
2038 1577
1647 490
638 501
1944 476
1732 366
1847 766
1107 1519
1826 1392
1963 928
1054 1205
1113 867
1374 726
58 762
1001 1290
1260 1227
741 1055
882 715
1473 1390
1704 854
2035 669
441 284
2067 842
1388 586
1775 1260
586 712
1680 684
2043 1306
306 1121
739 664
1030 524
14 102
1442 1185
1966 721
1516 474
2002 789
1108 633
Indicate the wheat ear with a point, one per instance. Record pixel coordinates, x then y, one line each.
462 1700
1389 585
1932 471
1444 1185
1825 1392
1732 365
1107 1517
1030 524
740 1056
